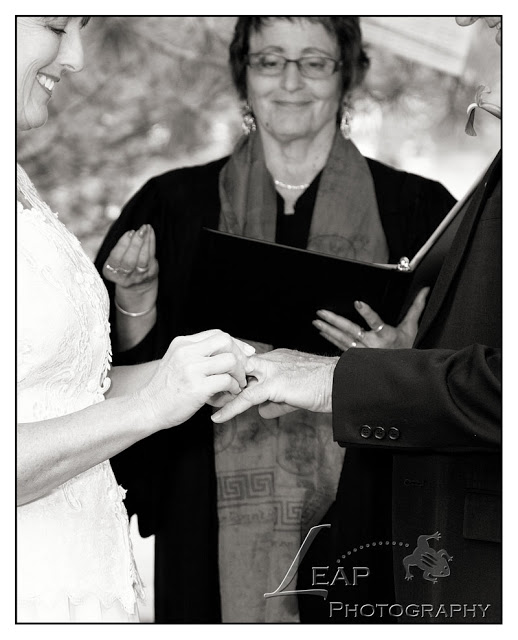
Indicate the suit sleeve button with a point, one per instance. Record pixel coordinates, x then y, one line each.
365 431
379 433
393 433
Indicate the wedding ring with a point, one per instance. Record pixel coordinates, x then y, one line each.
124 272
142 269
361 333
353 344
110 268
379 328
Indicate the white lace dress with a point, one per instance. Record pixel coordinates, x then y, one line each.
74 555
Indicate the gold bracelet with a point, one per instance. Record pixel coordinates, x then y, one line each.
138 314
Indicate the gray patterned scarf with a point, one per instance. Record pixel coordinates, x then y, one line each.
345 221
277 478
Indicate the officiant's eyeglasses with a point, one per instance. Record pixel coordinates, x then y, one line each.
271 64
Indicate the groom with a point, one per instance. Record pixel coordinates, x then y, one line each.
418 508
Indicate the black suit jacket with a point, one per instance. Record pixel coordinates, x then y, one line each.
422 429
170 476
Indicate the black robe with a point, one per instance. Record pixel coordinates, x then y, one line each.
170 476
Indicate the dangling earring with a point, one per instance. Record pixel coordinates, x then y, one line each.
345 123
248 125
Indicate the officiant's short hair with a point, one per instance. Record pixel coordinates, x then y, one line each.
346 30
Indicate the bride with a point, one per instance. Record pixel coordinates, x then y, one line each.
74 559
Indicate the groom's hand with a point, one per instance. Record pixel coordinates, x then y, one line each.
281 381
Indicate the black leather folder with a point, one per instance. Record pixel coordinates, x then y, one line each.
270 293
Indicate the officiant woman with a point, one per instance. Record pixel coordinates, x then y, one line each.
229 508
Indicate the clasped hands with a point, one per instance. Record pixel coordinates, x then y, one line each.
283 380
213 368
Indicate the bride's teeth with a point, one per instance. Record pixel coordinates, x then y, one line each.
48 83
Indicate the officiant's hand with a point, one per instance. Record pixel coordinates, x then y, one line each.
281 381
194 370
133 267
346 334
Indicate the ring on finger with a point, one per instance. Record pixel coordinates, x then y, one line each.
361 334
353 344
125 272
142 269
378 329
112 269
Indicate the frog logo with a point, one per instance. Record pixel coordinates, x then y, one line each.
434 564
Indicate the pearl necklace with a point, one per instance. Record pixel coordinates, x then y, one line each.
291 187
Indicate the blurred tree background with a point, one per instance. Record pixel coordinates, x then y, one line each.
156 94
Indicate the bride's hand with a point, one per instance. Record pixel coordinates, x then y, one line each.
194 369
346 334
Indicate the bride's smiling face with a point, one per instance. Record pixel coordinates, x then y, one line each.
46 47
